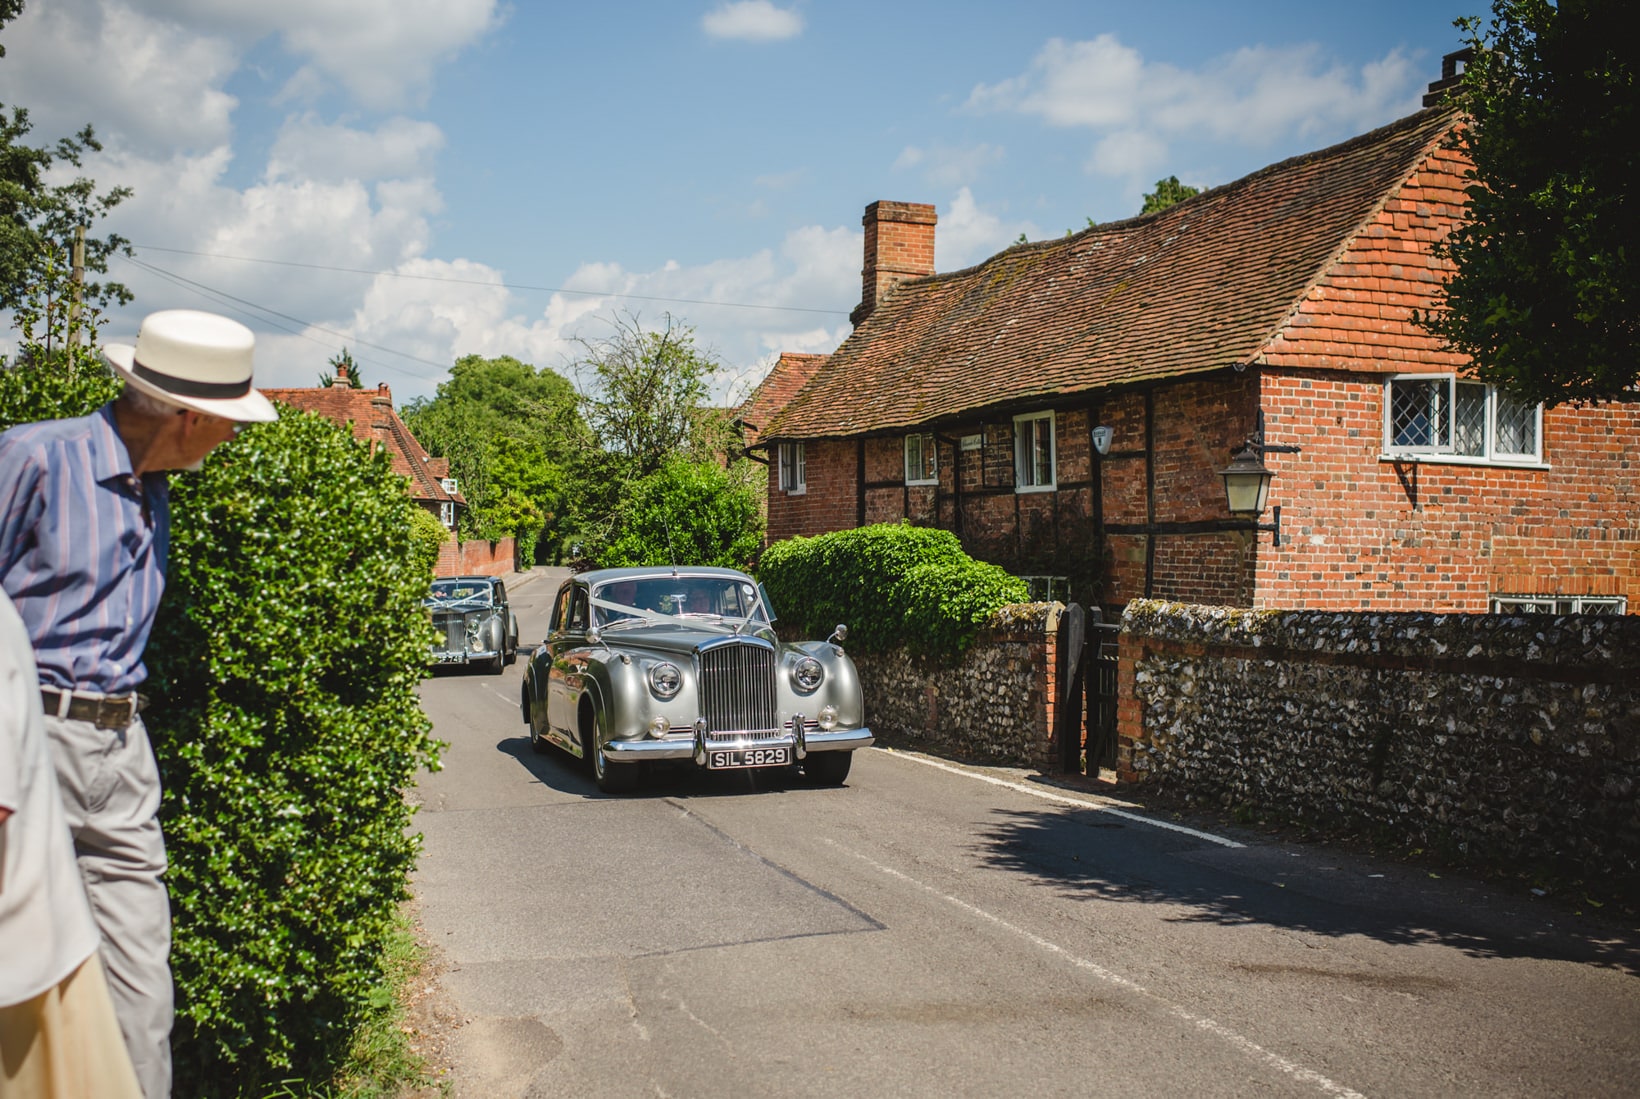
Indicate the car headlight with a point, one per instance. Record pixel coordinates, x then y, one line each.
808 673
665 680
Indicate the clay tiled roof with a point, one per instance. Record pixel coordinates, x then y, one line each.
369 413
790 373
1200 286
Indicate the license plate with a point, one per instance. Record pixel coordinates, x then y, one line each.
452 658
725 759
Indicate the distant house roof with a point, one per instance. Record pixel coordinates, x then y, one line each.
369 412
790 373
1203 285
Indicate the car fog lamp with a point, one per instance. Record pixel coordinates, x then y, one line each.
659 727
828 718
665 680
808 673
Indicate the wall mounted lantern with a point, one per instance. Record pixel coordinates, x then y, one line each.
1247 481
1102 436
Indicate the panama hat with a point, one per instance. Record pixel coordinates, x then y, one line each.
196 360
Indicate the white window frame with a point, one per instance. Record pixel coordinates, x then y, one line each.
447 514
1447 451
917 470
1559 604
793 475
1025 441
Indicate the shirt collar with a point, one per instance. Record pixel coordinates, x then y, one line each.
109 455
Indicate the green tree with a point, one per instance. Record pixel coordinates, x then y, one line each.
1546 266
1168 192
648 394
512 433
686 513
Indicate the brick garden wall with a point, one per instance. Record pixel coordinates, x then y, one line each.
1485 737
995 705
475 558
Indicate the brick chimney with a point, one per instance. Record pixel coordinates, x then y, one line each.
899 246
1452 67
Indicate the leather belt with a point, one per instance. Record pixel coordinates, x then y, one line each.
103 711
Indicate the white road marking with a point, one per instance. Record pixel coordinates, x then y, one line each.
1201 1022
1062 799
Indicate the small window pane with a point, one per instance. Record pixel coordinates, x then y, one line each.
1517 427
921 458
1418 413
1033 452
1469 419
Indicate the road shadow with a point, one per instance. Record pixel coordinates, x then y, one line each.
564 773
1093 855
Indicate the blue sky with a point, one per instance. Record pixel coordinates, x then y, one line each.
423 179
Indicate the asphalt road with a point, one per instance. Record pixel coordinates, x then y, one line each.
935 930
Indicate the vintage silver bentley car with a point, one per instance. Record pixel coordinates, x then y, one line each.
643 665
473 621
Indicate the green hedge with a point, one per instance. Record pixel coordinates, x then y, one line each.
283 667
894 585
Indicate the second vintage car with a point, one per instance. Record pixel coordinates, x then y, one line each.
683 664
473 621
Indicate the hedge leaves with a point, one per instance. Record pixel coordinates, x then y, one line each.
283 667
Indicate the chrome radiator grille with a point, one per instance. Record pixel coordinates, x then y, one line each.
737 691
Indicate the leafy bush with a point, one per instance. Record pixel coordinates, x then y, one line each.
893 584
428 535
688 513
284 666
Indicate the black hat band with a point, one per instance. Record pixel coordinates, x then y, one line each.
184 387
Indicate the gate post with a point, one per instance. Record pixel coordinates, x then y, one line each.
1068 713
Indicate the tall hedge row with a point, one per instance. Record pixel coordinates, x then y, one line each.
283 667
894 585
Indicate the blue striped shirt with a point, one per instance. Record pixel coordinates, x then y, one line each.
83 543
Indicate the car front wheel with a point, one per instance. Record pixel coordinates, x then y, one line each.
612 778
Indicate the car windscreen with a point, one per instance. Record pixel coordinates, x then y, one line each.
653 598
451 591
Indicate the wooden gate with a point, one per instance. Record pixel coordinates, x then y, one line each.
1086 715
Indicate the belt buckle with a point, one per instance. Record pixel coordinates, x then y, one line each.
116 713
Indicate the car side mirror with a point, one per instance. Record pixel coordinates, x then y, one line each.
839 635
595 636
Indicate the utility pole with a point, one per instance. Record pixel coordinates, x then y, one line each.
79 291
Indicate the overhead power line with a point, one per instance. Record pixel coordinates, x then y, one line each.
488 282
283 321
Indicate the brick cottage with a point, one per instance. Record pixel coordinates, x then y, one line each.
1067 407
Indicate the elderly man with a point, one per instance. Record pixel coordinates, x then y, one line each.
84 530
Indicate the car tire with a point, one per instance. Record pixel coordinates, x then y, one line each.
538 743
612 778
827 768
498 664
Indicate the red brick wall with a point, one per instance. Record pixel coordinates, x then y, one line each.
831 501
1361 532
475 558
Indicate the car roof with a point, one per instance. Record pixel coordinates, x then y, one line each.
652 572
465 579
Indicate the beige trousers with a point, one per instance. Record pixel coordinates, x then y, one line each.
65 1043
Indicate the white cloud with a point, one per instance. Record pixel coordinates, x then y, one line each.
1255 96
949 165
968 233
144 82
752 21
309 147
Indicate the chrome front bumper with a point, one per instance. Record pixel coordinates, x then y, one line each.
677 746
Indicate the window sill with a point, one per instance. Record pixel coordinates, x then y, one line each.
800 490
922 484
1460 460
1022 489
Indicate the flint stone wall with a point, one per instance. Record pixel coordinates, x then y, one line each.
992 705
1485 737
